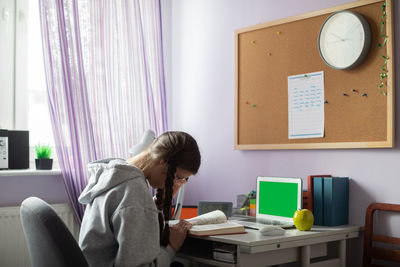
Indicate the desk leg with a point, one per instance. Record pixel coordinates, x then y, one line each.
342 252
305 256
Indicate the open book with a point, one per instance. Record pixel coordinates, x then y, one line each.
214 223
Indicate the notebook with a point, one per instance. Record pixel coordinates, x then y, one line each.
276 202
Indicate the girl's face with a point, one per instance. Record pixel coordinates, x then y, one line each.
158 175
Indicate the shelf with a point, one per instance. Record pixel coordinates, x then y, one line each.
30 172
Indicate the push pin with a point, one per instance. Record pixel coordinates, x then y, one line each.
253 42
345 95
354 90
326 102
305 75
253 106
278 32
364 94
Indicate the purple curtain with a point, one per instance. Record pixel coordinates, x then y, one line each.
105 80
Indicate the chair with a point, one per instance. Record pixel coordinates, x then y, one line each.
379 253
49 241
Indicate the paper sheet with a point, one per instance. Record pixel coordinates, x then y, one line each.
306 105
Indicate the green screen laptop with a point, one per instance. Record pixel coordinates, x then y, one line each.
277 200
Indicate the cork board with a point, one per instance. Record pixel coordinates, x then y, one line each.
268 53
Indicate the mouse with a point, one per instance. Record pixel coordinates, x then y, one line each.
271 230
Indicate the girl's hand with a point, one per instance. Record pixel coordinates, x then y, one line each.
178 234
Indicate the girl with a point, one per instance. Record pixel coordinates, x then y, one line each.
122 224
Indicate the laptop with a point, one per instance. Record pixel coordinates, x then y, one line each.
276 202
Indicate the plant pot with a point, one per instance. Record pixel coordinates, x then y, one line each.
44 164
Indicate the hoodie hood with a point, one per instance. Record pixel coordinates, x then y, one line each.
106 174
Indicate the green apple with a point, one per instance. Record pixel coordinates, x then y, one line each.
303 219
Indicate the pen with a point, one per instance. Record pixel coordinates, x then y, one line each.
251 194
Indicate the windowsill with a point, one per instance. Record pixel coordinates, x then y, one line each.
30 172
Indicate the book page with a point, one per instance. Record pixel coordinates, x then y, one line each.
213 217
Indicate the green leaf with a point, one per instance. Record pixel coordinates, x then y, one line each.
43 151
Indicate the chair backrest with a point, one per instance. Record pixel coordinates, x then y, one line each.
379 253
49 241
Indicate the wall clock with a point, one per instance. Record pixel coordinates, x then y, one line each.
344 40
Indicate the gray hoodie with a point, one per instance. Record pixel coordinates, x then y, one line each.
120 225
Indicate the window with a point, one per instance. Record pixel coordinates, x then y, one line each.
23 96
38 116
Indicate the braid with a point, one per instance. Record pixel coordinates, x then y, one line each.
160 204
169 183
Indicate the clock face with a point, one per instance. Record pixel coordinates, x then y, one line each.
344 40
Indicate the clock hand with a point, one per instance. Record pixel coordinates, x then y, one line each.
341 39
334 42
352 28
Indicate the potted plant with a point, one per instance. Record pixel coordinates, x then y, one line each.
43 159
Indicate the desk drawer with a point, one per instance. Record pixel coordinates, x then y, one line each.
275 256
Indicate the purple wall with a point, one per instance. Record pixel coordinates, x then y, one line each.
201 89
14 189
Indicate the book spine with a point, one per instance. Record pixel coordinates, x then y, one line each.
318 200
328 201
336 201
340 204
252 207
310 190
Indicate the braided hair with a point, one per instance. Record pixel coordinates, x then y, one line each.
178 150
163 203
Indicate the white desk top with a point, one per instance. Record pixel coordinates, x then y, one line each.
253 241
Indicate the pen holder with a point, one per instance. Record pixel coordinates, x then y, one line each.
252 207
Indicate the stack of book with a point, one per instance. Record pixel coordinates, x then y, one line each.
330 201
226 253
252 207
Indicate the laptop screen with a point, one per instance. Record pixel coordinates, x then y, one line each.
278 198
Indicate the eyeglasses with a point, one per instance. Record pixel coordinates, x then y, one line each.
182 178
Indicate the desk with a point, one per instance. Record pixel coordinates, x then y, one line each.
254 249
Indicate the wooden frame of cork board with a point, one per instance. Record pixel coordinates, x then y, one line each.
268 53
